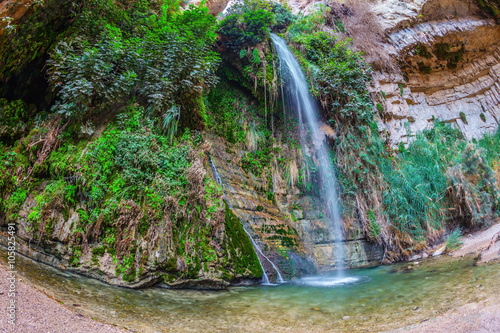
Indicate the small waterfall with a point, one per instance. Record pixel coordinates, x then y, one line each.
306 106
279 278
265 278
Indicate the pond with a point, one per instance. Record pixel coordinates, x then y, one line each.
370 299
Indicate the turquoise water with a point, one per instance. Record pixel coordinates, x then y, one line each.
374 299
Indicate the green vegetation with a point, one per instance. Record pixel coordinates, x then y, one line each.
493 6
164 62
112 144
117 157
463 117
454 240
404 197
248 25
443 52
340 81
246 261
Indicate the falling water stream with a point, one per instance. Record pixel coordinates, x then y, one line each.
301 100
265 278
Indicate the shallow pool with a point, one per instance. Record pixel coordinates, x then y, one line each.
371 299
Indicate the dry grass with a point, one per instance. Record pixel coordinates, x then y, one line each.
126 227
367 34
49 141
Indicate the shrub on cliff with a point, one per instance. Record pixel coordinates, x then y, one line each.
246 26
166 61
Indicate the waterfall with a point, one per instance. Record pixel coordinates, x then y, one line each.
307 111
265 278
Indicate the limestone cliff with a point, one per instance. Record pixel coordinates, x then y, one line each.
448 56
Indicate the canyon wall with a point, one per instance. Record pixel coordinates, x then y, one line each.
446 57
291 227
448 67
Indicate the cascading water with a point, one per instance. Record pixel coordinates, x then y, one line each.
301 99
265 278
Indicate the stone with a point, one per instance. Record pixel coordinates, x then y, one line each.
466 94
346 318
415 257
439 251
299 214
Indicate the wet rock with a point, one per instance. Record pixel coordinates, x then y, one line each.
202 284
439 251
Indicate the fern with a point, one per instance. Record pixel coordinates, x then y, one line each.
170 122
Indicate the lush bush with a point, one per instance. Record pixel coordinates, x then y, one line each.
416 183
168 61
341 79
226 107
284 16
473 187
246 27
454 240
306 24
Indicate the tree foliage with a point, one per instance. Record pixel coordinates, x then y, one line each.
246 26
167 62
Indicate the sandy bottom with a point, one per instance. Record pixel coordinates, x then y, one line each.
39 313
474 317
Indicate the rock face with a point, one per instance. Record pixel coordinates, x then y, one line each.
296 239
11 11
158 265
485 244
449 56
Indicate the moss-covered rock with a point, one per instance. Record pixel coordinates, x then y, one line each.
243 256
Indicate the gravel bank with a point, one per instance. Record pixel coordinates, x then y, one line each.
37 313
485 243
474 317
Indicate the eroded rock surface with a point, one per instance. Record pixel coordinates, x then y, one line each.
449 68
485 244
292 229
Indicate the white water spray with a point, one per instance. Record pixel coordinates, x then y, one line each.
301 99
